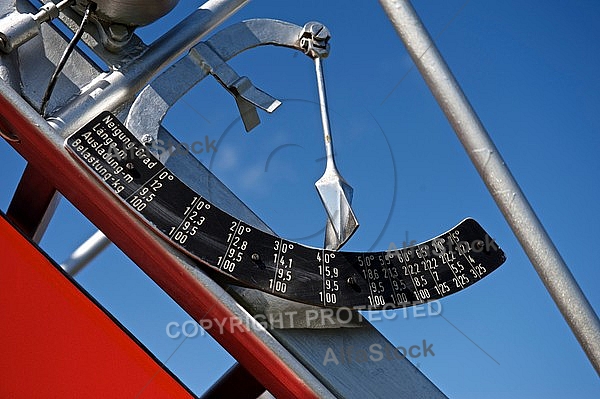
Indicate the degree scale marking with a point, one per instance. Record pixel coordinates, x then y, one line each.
273 264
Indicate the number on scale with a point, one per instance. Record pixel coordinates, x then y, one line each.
328 297
330 274
141 199
285 275
165 175
197 220
429 264
376 300
399 298
442 288
277 285
238 228
420 281
401 255
460 280
279 258
328 271
197 205
384 260
237 242
371 274
138 203
179 236
422 294
283 261
332 285
410 269
326 258
157 183
236 247
228 265
390 272
398 285
284 246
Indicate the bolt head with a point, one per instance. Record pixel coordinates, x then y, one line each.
318 31
323 34
146 138
315 27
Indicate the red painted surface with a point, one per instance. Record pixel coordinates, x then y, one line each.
56 343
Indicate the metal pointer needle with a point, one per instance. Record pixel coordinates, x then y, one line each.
335 192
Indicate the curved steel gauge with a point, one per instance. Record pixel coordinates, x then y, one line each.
398 277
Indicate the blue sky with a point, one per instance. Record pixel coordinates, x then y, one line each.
530 71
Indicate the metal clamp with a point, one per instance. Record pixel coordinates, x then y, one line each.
247 96
154 101
315 40
17 28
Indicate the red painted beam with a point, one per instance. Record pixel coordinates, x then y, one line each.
55 341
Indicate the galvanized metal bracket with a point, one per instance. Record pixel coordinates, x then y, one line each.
247 96
315 40
210 57
17 28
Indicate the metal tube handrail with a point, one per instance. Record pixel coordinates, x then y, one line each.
505 190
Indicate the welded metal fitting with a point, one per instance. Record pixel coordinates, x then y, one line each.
314 40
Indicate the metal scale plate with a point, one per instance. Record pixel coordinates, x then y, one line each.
395 278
